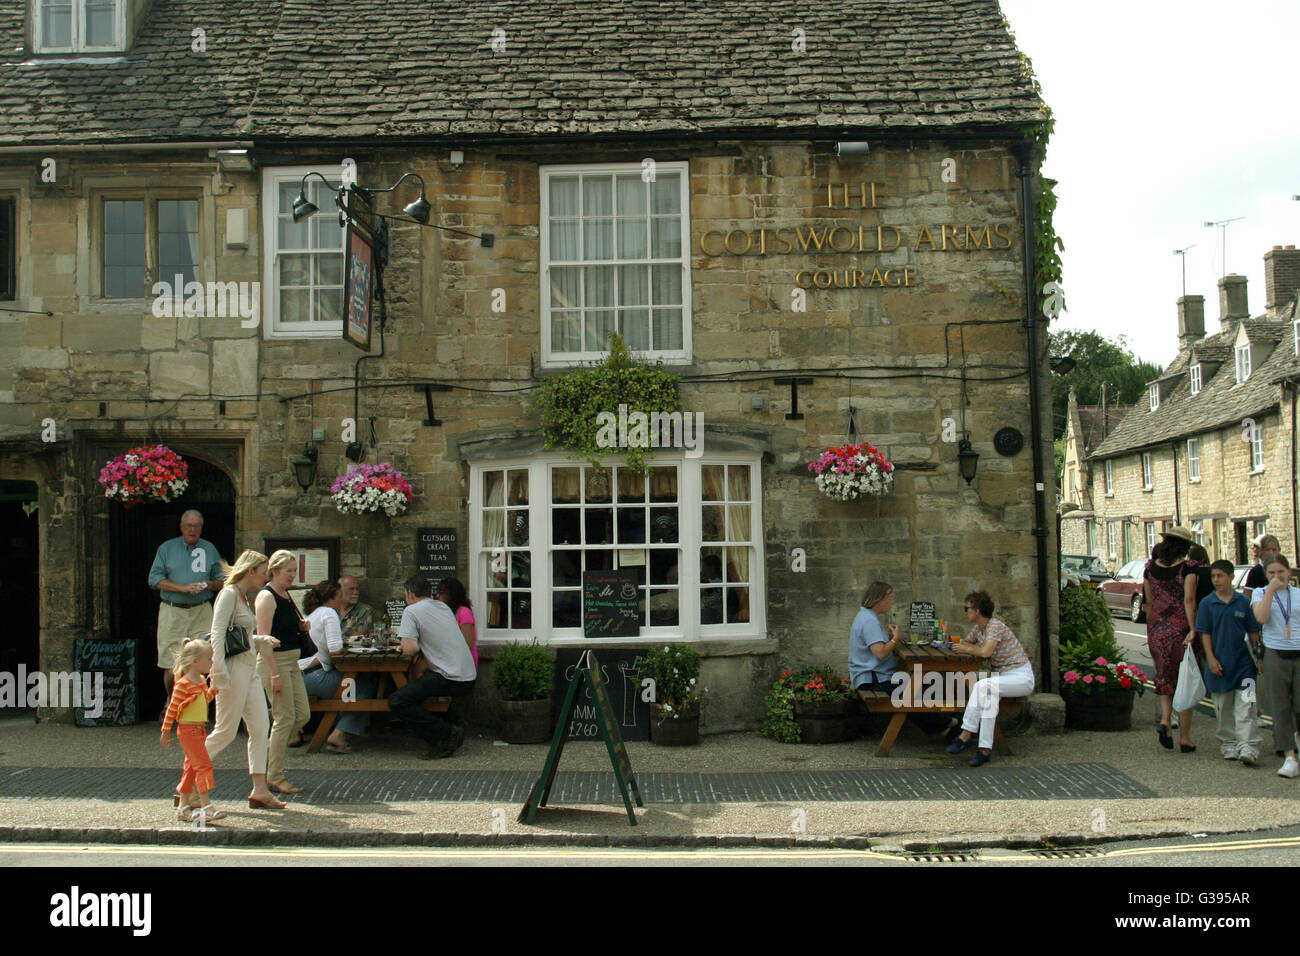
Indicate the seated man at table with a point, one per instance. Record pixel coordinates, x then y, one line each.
355 618
429 629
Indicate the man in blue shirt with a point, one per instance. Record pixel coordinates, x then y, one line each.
187 571
1223 620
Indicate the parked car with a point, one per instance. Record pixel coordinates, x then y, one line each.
1088 568
1239 576
1123 593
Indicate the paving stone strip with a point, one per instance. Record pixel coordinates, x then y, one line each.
1083 781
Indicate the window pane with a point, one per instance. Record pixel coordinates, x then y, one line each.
663 566
326 231
566 610
566 288
564 196
665 238
178 239
598 239
565 331
667 328
598 560
123 248
123 282
565 485
520 569
56 23
666 193
663 525
711 523
329 271
521 610
600 525
632 239
631 195
633 285
597 485
565 571
598 327
738 482
711 487
519 527
496 610
597 196
631 525
100 17
598 287
738 522
564 239
664 608
737 565
565 526
631 486
295 271
518 491
666 281
663 484
295 305
329 305
634 325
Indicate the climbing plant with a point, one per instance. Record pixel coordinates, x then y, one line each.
570 405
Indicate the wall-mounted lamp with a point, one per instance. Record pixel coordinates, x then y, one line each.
457 157
304 467
852 149
236 160
1063 364
967 460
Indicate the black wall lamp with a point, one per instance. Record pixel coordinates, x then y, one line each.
967 460
418 210
304 467
1063 364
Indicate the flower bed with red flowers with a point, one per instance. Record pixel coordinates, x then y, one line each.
147 473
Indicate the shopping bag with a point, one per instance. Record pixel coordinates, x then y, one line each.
1190 687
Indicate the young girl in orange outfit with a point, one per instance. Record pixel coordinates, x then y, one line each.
188 709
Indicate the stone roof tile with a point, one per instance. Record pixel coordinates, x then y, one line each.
285 68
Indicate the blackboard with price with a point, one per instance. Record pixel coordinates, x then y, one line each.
922 618
619 669
115 660
611 603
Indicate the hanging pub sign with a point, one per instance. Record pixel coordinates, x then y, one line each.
359 271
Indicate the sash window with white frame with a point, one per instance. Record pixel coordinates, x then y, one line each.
79 26
1256 447
614 257
303 284
1193 459
686 531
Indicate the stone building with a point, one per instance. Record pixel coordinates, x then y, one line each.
1213 446
674 175
1086 427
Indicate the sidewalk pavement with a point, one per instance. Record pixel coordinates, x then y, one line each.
113 785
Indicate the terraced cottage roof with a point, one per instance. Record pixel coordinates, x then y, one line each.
429 69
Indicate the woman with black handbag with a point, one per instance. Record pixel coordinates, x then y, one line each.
278 616
234 671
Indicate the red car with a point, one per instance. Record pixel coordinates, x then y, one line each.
1123 592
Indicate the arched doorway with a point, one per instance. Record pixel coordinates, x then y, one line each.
20 639
134 537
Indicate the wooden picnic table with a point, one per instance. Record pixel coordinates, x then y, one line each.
931 659
391 666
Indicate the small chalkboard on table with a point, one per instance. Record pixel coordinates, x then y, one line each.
921 618
587 674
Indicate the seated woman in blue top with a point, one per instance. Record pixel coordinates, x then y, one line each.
872 663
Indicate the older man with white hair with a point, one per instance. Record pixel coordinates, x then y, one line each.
187 572
357 618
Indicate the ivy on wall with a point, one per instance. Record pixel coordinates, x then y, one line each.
570 404
1048 246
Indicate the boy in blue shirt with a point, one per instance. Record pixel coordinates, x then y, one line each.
1223 620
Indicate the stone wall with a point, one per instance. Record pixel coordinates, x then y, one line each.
113 372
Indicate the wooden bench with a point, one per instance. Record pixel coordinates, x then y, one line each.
880 702
389 666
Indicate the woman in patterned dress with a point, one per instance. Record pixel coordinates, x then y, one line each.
1169 585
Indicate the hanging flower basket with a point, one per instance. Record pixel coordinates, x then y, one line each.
147 473
852 471
368 488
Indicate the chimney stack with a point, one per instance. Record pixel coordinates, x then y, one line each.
1191 320
1232 300
1281 276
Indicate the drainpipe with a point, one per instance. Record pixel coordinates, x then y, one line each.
1178 512
1026 160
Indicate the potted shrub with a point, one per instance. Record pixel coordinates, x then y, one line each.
822 705
523 675
1097 686
779 723
1083 613
675 704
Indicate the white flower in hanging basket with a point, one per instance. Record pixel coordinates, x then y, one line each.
851 471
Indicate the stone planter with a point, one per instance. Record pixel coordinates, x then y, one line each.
680 731
827 723
526 721
1109 709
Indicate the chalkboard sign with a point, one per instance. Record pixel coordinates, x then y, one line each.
435 553
619 671
394 611
586 675
922 617
610 603
109 696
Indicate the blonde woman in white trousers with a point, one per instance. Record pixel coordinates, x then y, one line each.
239 691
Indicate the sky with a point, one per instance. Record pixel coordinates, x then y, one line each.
1168 115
